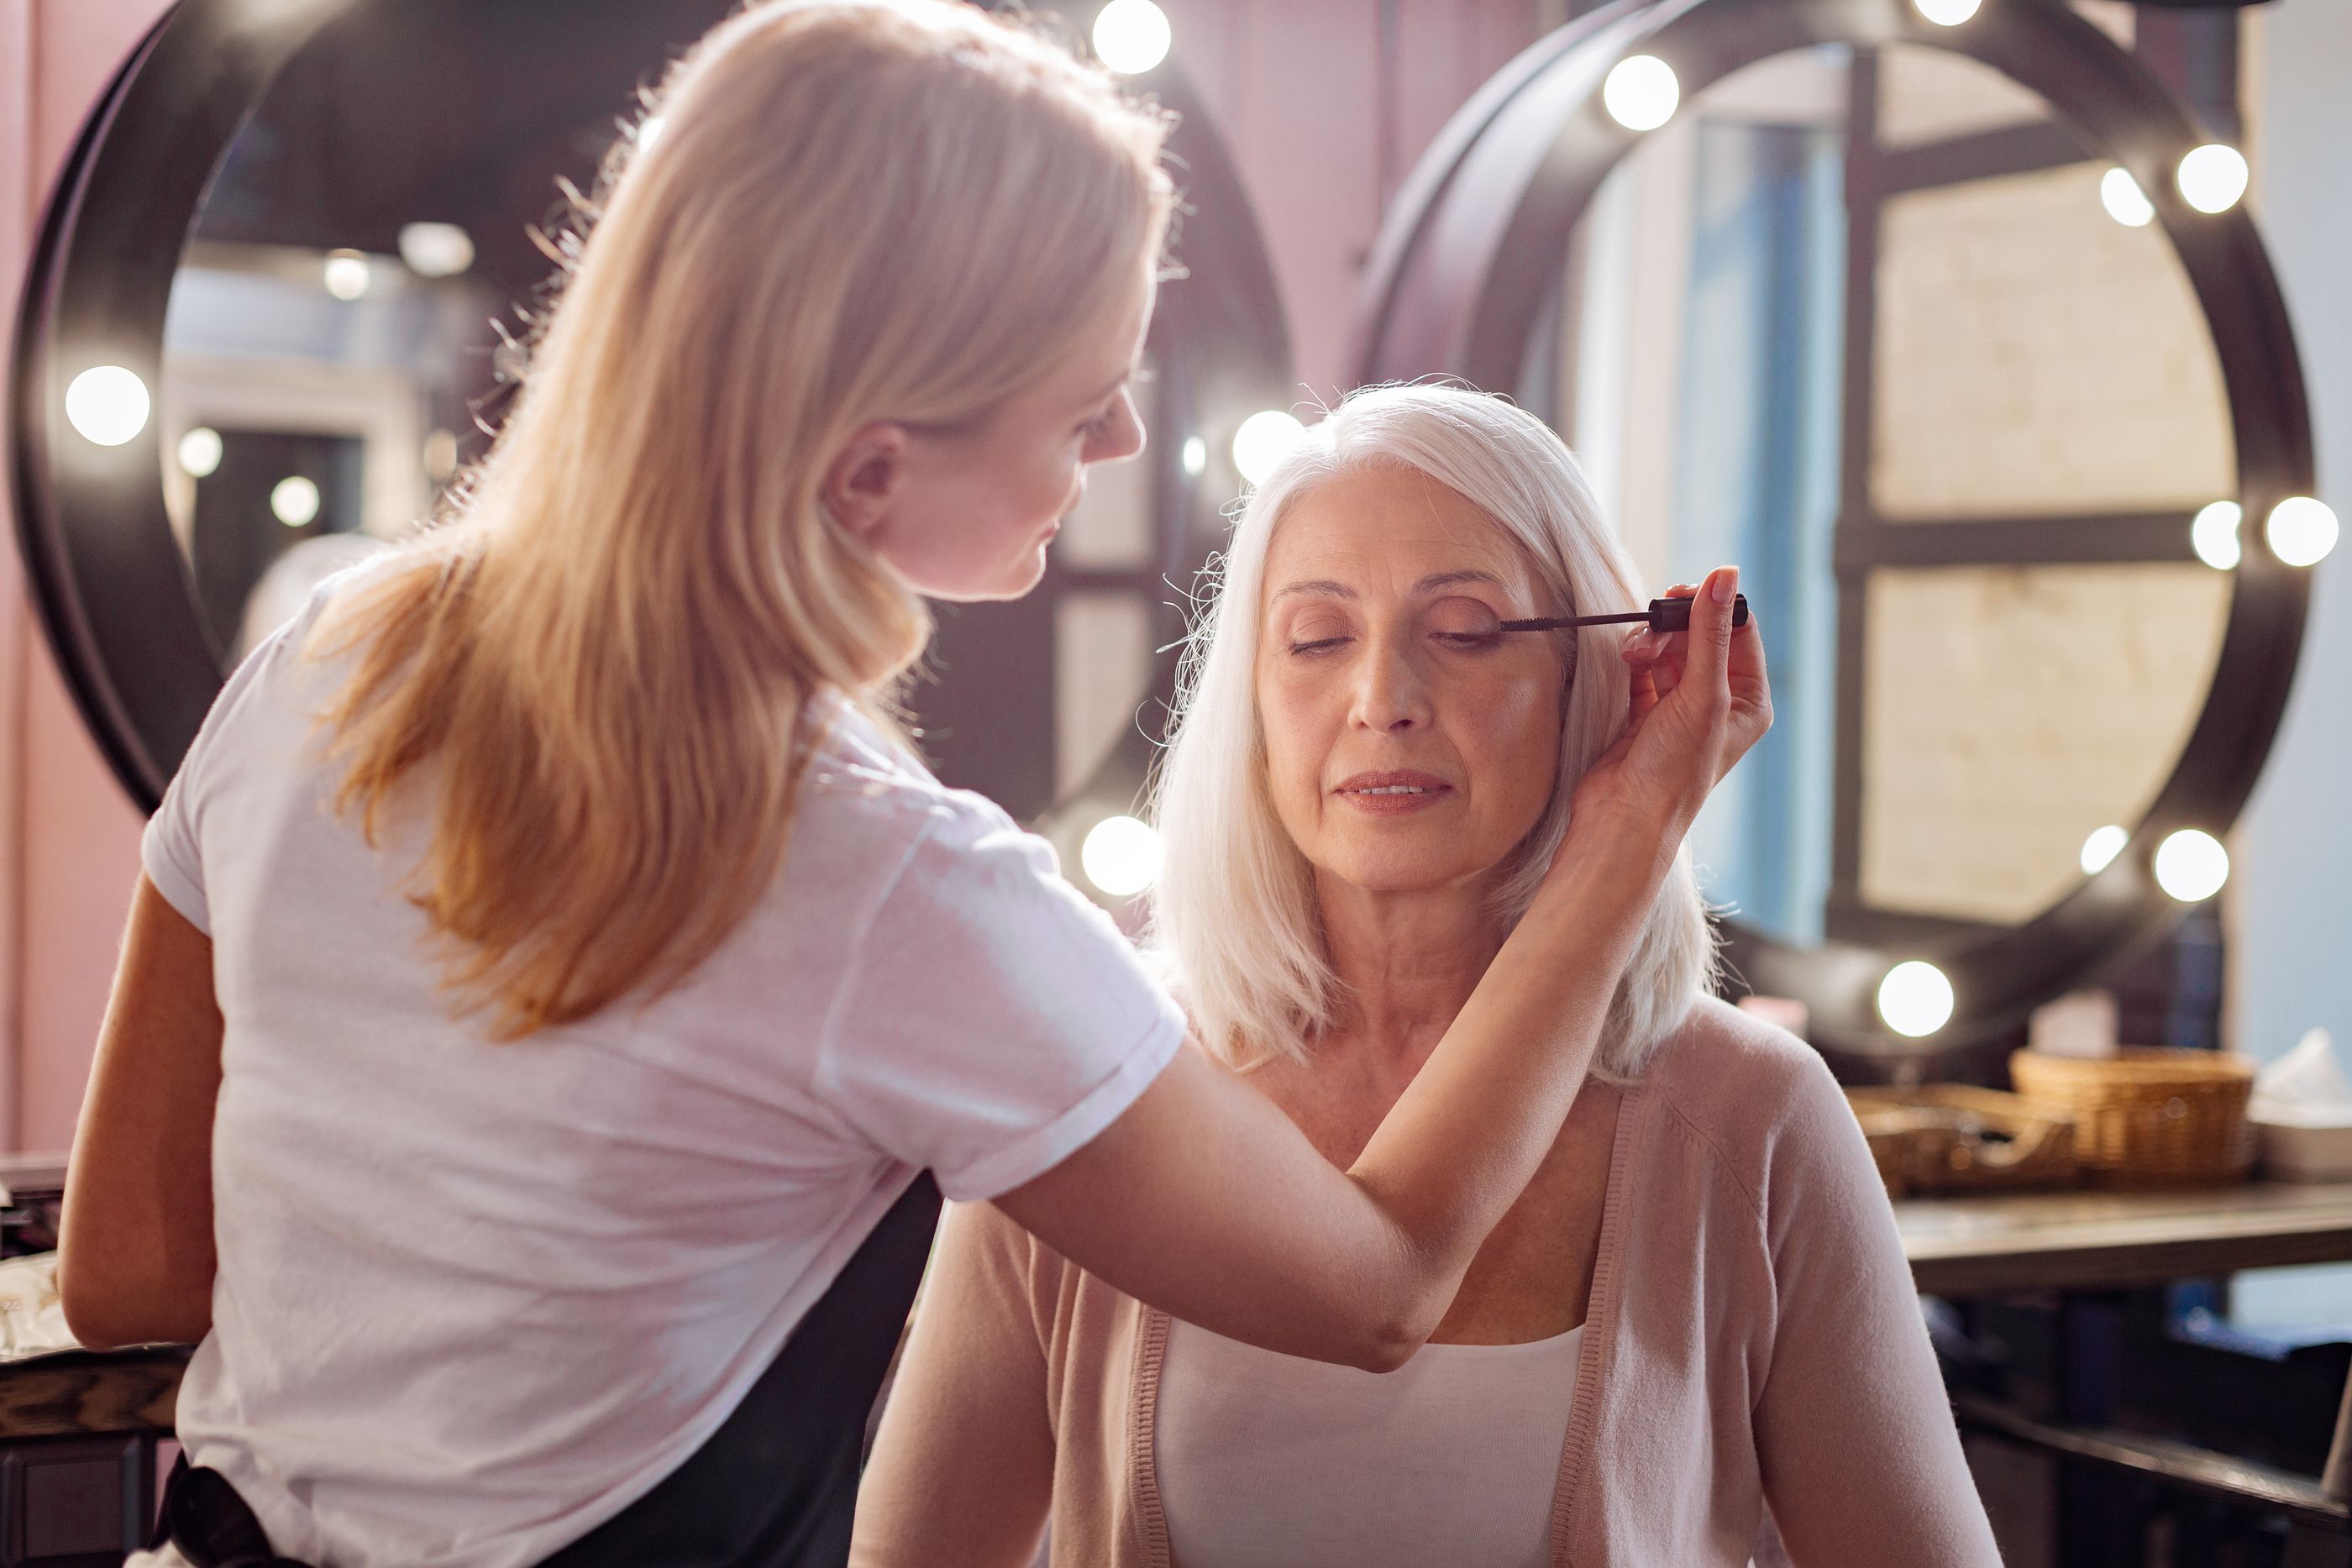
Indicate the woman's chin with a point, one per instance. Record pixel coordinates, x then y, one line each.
1394 877
1013 580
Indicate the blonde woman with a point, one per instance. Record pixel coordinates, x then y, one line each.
552 970
1697 1309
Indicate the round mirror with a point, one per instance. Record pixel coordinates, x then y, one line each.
319 232
1978 477
1922 325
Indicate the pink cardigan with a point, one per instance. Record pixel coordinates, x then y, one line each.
1753 1337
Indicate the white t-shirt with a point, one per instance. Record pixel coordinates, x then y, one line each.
474 1298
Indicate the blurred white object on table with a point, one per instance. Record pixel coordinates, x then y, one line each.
2301 1106
32 1318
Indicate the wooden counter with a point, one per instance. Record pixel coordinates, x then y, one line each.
2093 1239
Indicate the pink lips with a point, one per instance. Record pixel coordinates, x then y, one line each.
1393 793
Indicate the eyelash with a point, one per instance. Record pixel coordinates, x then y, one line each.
1463 642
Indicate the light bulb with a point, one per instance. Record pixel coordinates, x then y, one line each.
2125 201
1131 36
108 405
2301 531
2213 535
1947 13
1640 92
200 453
1262 441
435 250
2100 850
295 501
1915 999
1122 856
2213 177
1195 456
346 275
2191 865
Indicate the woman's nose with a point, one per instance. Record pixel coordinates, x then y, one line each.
1121 438
1391 694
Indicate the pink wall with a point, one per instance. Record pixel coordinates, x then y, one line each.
1293 85
68 836
1294 88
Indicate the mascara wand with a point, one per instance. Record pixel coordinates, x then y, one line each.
1662 615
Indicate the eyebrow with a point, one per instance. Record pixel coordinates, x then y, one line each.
1324 588
1133 373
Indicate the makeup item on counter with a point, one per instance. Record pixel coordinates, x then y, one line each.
1662 615
2081 1024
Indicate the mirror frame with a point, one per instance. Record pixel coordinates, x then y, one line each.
113 591
1458 277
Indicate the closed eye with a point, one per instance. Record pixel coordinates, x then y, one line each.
1317 645
1468 641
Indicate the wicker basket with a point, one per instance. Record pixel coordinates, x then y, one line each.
2148 1116
1951 1138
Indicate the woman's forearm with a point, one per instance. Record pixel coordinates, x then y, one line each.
1467 1134
1204 1200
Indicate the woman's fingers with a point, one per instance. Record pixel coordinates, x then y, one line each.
1708 658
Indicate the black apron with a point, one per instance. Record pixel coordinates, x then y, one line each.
772 1488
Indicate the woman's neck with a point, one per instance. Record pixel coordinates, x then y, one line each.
1409 961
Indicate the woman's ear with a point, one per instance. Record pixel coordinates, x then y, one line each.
866 477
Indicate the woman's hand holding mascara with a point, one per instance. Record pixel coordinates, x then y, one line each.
1700 700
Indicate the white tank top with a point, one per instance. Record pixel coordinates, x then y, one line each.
1268 1459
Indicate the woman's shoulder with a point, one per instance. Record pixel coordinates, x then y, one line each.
1750 1088
866 792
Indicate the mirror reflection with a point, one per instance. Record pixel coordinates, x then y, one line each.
345 332
1863 320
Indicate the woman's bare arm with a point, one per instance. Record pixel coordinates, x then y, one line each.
135 1258
1205 1201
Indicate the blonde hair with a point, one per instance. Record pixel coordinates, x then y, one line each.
856 210
1234 907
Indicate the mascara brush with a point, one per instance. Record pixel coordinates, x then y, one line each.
1662 615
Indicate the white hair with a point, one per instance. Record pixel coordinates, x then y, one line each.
1235 912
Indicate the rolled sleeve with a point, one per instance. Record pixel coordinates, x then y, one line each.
993 1021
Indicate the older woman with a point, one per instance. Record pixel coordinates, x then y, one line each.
1698 1310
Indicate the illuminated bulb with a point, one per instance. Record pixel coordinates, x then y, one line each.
346 274
2302 530
2100 850
435 250
649 130
1122 856
1640 92
2191 865
108 405
2213 177
200 453
1261 442
1196 456
1947 13
1131 36
2125 201
1915 999
2213 535
295 501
